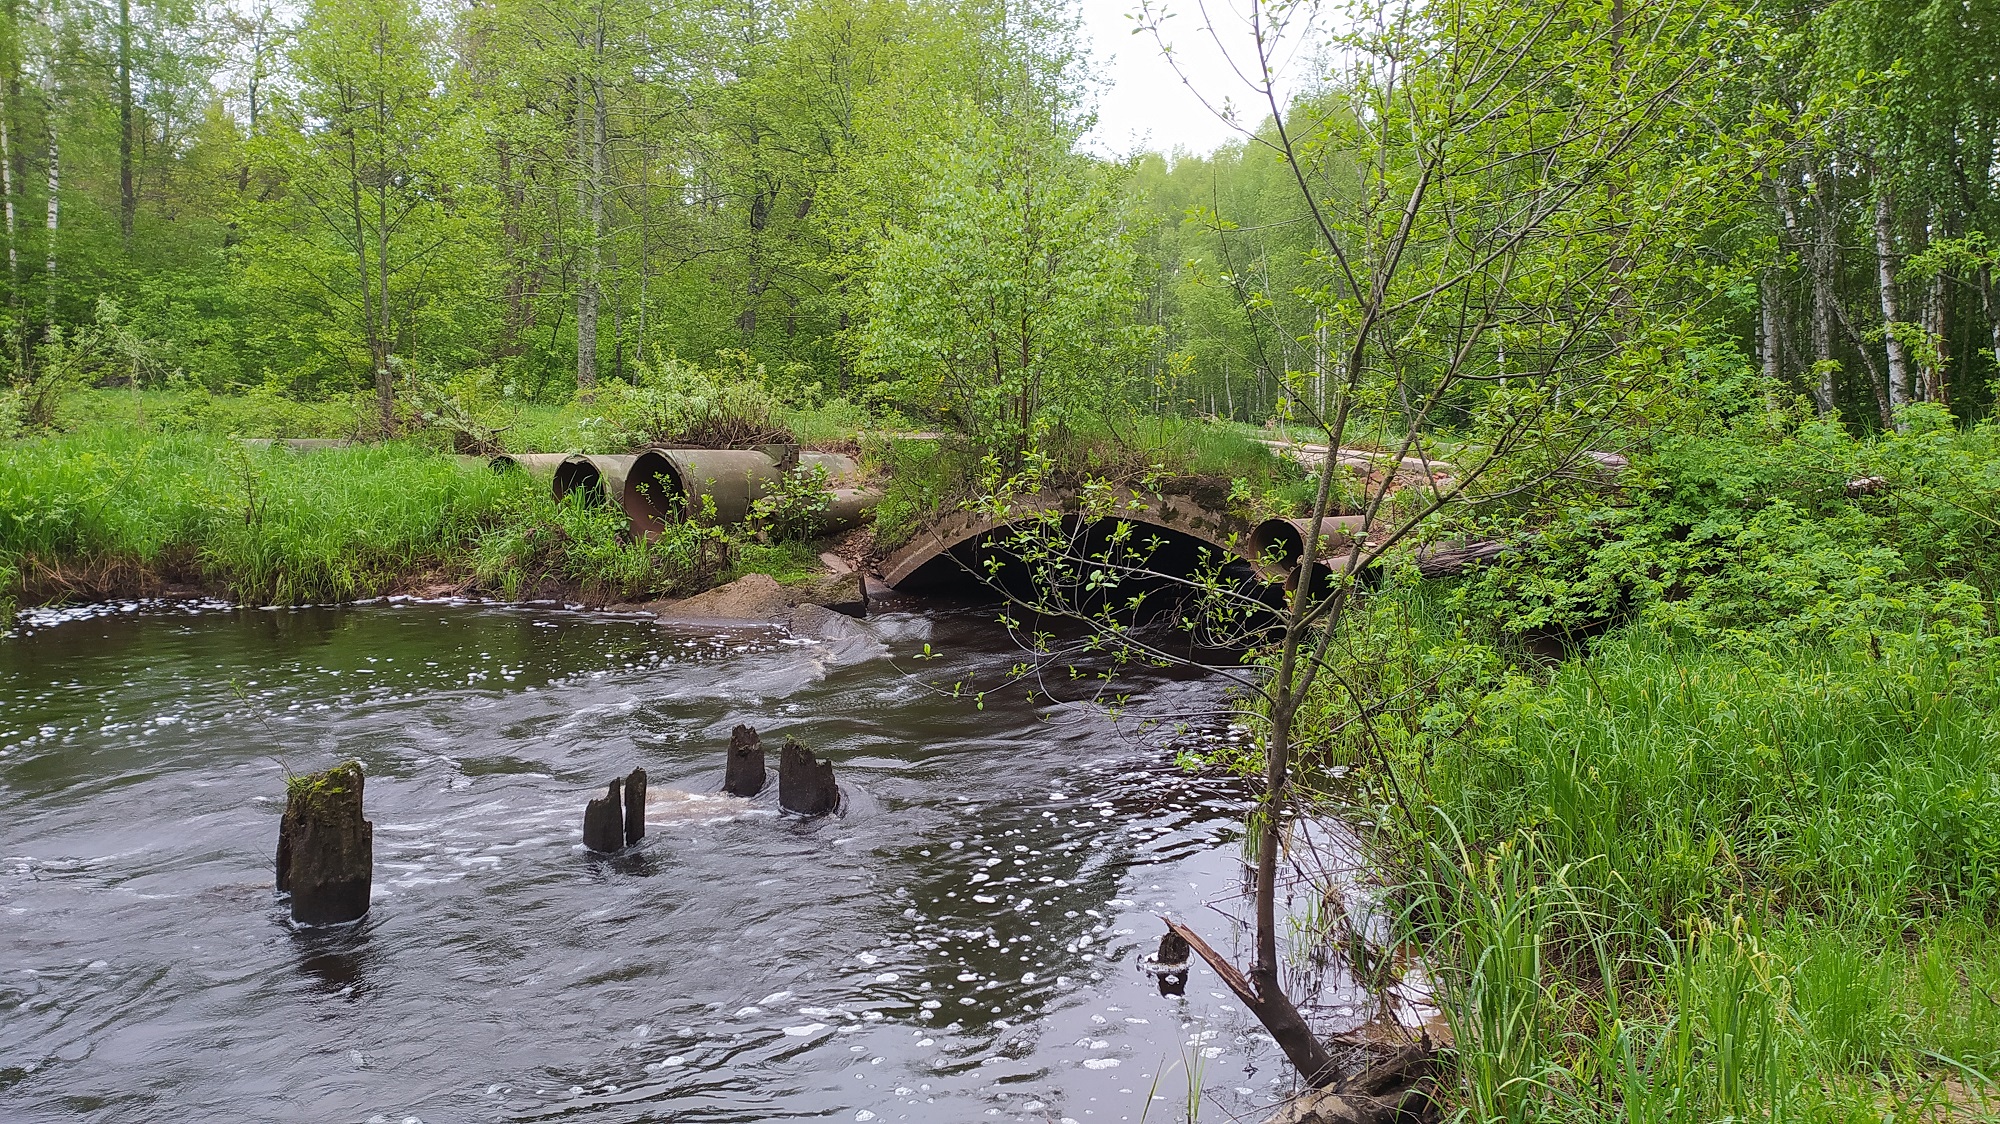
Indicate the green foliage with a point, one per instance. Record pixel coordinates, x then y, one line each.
1005 308
537 541
1749 537
796 508
921 478
674 402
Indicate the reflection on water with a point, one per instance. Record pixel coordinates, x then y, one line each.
963 941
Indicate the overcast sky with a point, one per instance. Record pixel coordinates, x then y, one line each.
1143 102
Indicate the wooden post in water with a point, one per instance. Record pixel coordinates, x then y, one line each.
635 807
326 850
805 785
744 773
1170 967
604 820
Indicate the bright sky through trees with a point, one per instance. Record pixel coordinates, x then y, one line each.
1143 102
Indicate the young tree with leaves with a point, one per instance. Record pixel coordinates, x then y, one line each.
1006 306
371 202
1526 184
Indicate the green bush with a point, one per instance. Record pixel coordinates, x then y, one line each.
537 540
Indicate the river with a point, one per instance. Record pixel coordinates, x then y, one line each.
961 942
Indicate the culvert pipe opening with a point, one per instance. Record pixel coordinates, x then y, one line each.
1282 542
710 486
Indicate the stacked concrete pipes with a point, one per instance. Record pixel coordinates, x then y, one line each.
714 487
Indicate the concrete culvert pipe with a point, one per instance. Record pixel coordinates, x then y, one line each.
841 469
534 464
849 508
1284 540
601 479
670 485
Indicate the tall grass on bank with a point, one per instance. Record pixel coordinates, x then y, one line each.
1667 881
105 506
110 510
1673 879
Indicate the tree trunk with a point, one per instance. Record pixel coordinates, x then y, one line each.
590 202
385 384
1937 325
1875 381
326 849
805 784
375 356
128 200
1824 258
1892 315
743 773
604 820
7 191
1989 301
1769 315
55 200
1272 1008
1263 992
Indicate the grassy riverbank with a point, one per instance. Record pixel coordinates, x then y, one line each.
114 511
1671 881
1736 855
138 492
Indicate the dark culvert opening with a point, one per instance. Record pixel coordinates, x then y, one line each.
989 563
579 475
657 497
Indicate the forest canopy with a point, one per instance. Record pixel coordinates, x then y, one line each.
351 195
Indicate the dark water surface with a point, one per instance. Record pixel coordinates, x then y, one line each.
959 944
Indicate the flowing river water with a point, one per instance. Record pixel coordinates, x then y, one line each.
961 942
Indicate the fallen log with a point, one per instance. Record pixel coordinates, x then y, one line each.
1446 559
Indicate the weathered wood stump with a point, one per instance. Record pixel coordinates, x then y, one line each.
604 820
326 850
744 774
805 785
635 807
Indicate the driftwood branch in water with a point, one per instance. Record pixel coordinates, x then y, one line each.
1398 1089
1306 1053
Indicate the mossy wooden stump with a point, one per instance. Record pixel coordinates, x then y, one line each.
1170 966
805 785
743 775
326 850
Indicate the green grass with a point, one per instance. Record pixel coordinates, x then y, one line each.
266 525
1668 881
108 509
